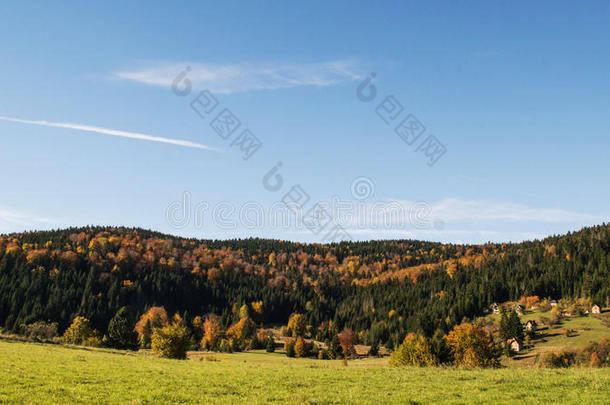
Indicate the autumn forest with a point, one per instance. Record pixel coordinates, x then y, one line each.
378 289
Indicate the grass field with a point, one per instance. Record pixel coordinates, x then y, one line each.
44 373
586 329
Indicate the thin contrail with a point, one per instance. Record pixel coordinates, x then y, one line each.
114 132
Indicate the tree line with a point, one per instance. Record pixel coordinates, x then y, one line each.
380 290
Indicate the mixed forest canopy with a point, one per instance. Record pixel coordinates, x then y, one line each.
385 289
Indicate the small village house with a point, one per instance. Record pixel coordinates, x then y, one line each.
515 345
531 326
595 309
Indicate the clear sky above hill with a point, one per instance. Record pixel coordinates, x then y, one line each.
517 94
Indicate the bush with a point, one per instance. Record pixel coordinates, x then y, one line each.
414 351
79 332
171 341
270 346
301 348
225 346
598 354
93 341
41 330
334 348
558 360
289 347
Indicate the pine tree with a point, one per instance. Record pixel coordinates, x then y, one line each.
505 332
515 326
121 332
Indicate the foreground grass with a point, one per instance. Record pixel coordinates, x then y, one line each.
38 373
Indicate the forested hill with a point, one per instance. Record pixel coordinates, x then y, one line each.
391 286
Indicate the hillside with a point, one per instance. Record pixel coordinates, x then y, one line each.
381 289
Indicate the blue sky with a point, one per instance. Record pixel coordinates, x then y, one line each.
517 93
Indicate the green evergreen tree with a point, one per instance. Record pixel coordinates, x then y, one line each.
505 332
515 326
121 332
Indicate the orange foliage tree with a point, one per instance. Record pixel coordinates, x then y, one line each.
347 339
211 332
155 317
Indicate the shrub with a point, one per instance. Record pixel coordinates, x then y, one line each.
79 332
92 341
289 347
558 360
595 361
260 340
225 346
598 353
414 351
301 348
171 341
121 332
334 348
41 330
270 346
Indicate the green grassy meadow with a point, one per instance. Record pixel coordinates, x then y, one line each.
45 373
586 329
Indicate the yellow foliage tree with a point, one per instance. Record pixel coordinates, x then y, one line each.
80 333
296 325
415 350
242 330
171 341
471 347
301 348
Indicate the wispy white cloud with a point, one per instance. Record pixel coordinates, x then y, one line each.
453 209
107 131
236 78
462 221
13 220
397 212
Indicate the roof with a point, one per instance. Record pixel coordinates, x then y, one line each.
514 340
